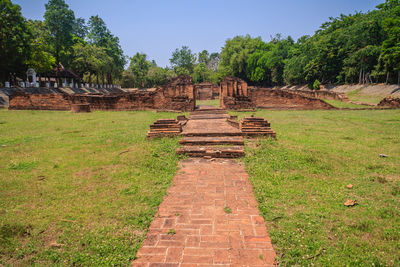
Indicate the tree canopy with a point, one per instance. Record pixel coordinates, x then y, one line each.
355 48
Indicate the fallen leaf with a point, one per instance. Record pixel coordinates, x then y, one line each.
350 203
349 186
55 245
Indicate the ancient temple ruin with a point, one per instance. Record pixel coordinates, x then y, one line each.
179 95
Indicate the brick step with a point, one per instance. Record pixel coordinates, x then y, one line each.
211 134
165 121
269 134
212 151
255 129
208 112
162 134
207 140
208 117
164 126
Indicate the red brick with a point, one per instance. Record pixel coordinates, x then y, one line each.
197 259
174 255
221 256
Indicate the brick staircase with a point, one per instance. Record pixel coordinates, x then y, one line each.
207 134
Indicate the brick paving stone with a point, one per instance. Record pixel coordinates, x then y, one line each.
195 207
204 232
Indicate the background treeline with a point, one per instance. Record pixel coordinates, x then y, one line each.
143 73
358 48
89 49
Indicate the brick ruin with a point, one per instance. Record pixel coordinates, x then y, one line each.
179 94
233 94
236 95
284 99
321 94
207 91
391 102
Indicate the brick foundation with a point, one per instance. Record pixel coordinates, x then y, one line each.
177 95
391 102
284 99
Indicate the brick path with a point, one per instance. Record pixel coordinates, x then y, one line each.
209 217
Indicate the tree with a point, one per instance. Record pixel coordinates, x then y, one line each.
60 21
204 57
266 65
201 73
100 35
42 61
80 29
15 40
234 55
92 60
391 46
139 67
213 61
183 60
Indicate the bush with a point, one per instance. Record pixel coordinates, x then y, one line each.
316 85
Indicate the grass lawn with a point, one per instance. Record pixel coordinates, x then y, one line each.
356 95
82 189
214 102
300 183
79 189
348 105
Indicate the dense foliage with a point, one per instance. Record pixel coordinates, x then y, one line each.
356 48
89 50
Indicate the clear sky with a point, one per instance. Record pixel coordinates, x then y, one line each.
158 27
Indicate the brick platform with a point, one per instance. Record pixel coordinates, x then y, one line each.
209 217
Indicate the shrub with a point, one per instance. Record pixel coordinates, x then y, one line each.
316 85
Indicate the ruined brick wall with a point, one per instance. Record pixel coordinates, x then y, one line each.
140 100
321 94
177 95
391 102
39 101
284 99
206 91
233 94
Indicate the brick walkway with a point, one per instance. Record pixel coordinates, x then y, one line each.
209 217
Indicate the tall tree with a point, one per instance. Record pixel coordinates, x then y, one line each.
100 35
139 66
183 60
15 40
391 46
60 20
42 61
204 57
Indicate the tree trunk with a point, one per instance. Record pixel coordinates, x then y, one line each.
387 77
360 77
398 78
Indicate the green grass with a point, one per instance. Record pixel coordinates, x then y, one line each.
214 102
300 183
347 105
356 95
82 189
79 189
